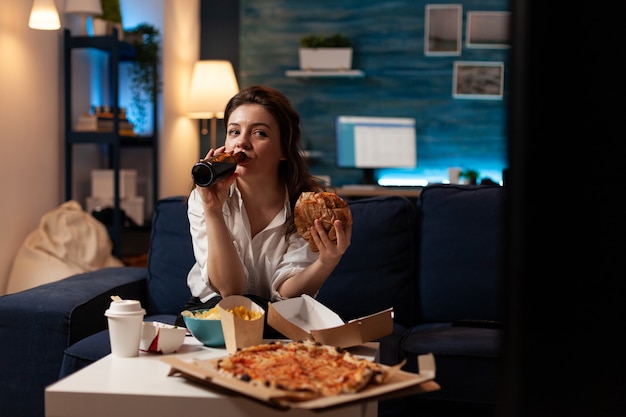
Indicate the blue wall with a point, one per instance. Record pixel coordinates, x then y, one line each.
388 41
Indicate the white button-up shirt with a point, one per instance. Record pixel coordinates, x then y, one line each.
268 259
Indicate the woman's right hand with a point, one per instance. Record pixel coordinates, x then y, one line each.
215 195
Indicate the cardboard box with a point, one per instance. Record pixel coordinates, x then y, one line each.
238 332
302 318
102 183
399 384
161 337
132 206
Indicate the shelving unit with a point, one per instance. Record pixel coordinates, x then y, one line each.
353 73
112 141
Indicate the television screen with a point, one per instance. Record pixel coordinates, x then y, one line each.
376 142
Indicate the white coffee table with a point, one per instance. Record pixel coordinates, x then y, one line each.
140 386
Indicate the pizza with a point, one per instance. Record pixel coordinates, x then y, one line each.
303 370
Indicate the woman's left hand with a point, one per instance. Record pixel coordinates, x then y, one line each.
330 251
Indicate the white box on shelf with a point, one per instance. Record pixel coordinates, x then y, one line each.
102 183
325 58
132 206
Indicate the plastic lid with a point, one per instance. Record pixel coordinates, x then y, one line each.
125 308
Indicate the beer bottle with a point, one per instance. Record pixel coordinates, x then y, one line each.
207 171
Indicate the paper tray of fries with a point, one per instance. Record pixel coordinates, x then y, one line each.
398 384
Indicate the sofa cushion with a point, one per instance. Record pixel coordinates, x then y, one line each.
85 352
461 252
378 270
468 359
445 339
170 257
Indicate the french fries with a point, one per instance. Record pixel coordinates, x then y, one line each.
244 313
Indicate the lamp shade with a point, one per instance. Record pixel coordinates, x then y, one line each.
44 16
88 7
213 83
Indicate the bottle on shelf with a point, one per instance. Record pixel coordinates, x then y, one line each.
207 171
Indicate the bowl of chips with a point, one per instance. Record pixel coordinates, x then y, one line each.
205 325
234 323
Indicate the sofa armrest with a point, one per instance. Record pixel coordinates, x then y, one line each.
54 306
37 324
95 291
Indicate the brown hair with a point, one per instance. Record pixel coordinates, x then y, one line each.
293 171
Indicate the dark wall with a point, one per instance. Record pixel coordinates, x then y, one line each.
388 40
564 344
219 39
219 31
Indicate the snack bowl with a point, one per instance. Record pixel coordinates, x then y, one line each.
206 330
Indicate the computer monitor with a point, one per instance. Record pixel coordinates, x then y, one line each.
375 142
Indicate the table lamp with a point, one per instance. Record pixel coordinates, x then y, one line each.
83 9
44 16
213 83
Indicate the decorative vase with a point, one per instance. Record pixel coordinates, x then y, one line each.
325 59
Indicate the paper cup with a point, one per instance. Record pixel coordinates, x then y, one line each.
125 319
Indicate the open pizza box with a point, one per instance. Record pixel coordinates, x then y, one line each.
302 318
399 384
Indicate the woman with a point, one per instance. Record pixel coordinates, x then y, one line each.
244 238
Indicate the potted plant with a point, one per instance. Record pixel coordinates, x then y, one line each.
470 176
110 18
145 83
325 52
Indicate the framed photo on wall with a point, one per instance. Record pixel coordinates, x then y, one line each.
442 29
478 80
488 30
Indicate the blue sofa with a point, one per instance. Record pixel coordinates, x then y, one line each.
435 261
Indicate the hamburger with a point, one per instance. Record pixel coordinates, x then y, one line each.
325 206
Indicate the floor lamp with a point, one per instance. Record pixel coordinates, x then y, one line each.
213 83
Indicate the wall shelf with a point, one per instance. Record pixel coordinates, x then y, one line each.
113 143
354 73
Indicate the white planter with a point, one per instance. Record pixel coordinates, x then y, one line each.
325 58
99 26
103 27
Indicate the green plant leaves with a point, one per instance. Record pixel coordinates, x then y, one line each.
337 40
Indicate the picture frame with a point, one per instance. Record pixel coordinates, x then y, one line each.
489 30
443 29
478 80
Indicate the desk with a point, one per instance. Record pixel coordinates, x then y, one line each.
376 191
140 386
